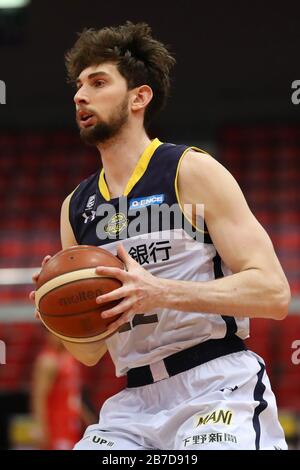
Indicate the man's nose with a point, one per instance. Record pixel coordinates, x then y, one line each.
81 97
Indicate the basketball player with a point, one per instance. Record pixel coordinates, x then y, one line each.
56 397
190 285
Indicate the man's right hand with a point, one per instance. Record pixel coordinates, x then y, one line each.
34 280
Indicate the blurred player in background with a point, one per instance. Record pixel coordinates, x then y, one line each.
57 408
187 294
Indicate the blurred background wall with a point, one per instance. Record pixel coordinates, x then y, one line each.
234 94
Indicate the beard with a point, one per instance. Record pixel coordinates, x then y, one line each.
105 130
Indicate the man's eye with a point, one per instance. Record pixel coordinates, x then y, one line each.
99 83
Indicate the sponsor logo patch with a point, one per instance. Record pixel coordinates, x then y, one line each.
100 440
140 202
209 438
217 416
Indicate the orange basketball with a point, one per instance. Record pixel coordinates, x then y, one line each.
67 289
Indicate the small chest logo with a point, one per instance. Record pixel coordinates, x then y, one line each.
117 224
89 217
140 202
89 213
90 203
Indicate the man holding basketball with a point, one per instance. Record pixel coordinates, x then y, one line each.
191 281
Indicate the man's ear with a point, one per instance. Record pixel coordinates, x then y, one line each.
141 97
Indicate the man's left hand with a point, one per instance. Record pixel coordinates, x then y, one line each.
141 292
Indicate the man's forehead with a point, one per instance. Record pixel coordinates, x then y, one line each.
105 69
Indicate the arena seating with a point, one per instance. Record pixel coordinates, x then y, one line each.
266 162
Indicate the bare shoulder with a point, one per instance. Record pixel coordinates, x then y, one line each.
201 164
66 202
201 174
66 232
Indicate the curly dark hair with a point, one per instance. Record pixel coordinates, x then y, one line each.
140 59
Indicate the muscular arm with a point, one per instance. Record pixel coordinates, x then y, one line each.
258 286
87 353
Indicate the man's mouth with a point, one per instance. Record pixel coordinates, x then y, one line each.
85 118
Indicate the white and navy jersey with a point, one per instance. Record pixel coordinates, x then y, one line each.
165 243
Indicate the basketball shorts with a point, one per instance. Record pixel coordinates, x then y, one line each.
225 403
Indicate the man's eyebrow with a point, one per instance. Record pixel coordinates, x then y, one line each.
93 75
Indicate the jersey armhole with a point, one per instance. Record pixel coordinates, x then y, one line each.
197 149
70 215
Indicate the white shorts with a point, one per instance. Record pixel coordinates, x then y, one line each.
226 403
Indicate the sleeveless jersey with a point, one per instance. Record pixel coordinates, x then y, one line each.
150 222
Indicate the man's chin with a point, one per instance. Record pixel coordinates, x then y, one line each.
97 134
88 136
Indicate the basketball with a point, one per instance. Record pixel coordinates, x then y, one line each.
66 293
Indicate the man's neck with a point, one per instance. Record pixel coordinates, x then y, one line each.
119 158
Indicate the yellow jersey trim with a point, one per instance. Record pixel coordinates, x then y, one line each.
138 172
103 186
176 185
